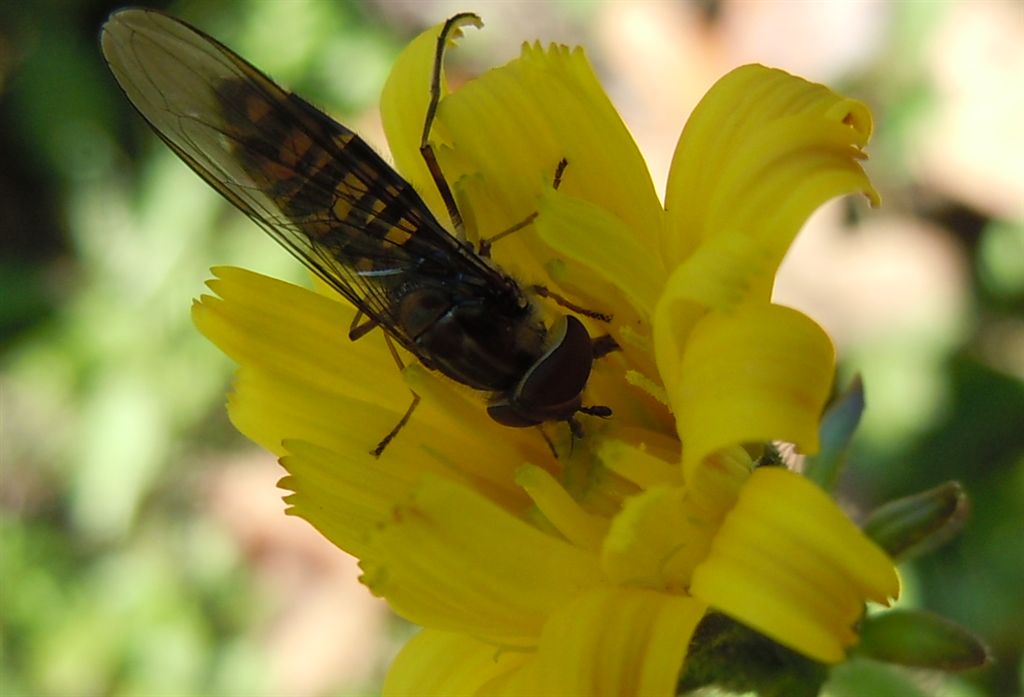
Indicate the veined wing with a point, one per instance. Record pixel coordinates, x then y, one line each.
311 183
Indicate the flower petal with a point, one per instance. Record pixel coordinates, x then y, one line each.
450 559
345 495
760 374
590 234
301 376
513 124
717 276
658 538
761 151
558 507
444 663
613 641
789 563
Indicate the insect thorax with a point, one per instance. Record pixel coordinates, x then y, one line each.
477 336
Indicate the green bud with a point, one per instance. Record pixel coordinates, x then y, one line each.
921 640
916 524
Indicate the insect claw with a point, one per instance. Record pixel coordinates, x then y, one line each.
596 410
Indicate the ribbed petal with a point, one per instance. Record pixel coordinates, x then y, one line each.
716 277
297 363
451 559
658 538
590 234
444 663
542 107
612 641
345 495
760 374
788 562
761 151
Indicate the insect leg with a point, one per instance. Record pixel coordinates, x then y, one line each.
576 428
357 330
603 345
544 292
547 439
484 249
426 149
376 452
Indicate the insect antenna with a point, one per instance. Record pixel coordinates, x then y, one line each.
484 248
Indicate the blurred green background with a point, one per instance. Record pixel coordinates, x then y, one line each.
144 550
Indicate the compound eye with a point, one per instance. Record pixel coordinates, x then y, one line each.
506 415
551 390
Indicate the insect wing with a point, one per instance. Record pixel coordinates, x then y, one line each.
311 183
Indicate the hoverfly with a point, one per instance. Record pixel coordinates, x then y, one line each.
330 200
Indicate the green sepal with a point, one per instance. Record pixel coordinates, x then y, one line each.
838 426
921 640
913 525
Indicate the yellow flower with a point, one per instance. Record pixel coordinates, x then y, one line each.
587 573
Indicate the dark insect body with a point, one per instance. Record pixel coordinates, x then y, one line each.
326 196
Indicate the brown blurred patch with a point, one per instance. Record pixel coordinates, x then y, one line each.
326 632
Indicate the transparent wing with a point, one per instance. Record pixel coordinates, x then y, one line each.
311 183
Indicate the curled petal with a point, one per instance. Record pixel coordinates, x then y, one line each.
760 374
716 277
760 153
789 563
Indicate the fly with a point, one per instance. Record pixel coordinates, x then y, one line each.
330 200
